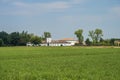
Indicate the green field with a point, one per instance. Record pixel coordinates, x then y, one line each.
59 63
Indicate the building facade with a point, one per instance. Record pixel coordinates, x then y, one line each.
61 42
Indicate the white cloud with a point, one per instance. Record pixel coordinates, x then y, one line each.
53 5
5 1
22 8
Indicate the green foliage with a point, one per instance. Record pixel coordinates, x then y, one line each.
79 35
92 35
4 37
14 38
59 63
18 39
112 41
24 38
47 35
1 42
105 42
96 36
35 40
88 42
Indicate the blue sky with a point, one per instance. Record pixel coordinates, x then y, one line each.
61 17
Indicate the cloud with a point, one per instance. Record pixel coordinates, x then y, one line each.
6 1
20 7
35 8
52 5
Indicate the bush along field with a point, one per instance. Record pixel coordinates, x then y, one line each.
59 63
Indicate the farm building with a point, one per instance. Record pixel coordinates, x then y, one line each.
117 42
61 42
29 44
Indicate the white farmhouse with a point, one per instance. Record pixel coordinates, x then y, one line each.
61 42
29 44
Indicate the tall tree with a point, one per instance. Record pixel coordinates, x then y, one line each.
79 35
98 35
92 35
24 38
14 38
1 42
4 37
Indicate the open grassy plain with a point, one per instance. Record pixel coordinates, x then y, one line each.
59 63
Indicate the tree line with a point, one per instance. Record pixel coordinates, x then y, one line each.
20 39
96 38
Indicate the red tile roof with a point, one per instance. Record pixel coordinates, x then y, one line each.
68 39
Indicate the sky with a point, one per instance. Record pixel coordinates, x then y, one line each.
61 17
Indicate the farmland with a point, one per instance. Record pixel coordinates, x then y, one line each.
59 63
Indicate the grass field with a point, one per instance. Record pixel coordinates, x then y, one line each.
59 63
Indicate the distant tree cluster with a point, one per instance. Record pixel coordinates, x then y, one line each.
20 39
96 38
